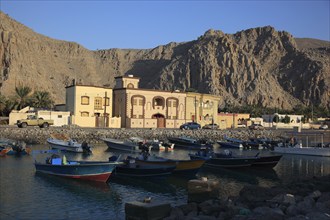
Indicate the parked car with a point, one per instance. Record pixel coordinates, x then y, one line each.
256 127
324 127
241 126
211 126
190 126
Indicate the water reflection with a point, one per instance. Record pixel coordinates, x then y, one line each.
299 166
35 196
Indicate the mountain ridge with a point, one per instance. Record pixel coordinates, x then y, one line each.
254 66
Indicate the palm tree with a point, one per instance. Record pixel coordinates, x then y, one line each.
2 104
22 99
41 99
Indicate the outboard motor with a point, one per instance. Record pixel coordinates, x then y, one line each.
85 147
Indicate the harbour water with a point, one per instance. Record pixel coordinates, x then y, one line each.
27 195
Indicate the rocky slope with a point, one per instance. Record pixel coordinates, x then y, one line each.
255 66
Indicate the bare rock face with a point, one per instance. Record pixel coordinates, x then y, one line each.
254 66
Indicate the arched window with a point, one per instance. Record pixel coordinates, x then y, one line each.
158 102
84 114
130 86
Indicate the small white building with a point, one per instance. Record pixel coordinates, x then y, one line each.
60 117
293 118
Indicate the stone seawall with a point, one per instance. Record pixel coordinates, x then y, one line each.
36 135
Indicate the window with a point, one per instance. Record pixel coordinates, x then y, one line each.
140 102
59 116
84 114
158 102
175 103
98 103
134 101
133 116
84 100
130 86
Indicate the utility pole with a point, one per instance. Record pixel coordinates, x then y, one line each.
105 110
195 118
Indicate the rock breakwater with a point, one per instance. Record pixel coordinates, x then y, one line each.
36 135
301 199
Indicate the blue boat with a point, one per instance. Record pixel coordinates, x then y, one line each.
217 161
131 169
84 170
227 160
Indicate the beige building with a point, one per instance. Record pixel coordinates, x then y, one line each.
233 120
201 108
128 106
143 108
90 106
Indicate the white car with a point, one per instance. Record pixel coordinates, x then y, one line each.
324 127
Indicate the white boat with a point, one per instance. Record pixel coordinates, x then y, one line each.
69 145
136 144
298 149
157 145
132 144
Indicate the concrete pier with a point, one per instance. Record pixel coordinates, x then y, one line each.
147 210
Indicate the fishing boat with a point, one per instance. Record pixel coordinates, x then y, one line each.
132 145
189 143
10 147
99 171
182 166
222 160
265 161
227 144
231 143
157 145
130 168
70 145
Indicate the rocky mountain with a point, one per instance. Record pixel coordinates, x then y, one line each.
254 66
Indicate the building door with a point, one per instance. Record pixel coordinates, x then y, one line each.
160 120
97 120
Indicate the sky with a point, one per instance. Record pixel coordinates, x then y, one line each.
107 24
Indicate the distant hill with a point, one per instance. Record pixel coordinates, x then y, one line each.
255 66
308 43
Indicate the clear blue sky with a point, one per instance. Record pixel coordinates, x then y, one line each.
146 24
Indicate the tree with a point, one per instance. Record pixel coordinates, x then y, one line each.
286 119
276 118
22 96
2 104
41 99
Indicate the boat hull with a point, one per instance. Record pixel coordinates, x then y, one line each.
188 143
142 170
310 151
93 171
226 162
65 146
267 161
181 165
230 145
121 145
